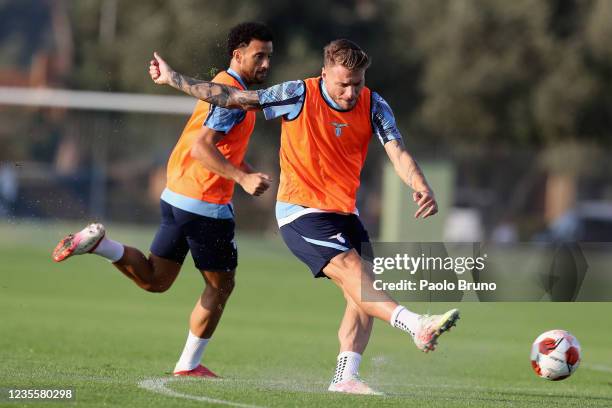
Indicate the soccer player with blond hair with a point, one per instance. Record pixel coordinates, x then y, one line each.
326 126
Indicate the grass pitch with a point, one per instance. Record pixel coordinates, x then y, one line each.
81 324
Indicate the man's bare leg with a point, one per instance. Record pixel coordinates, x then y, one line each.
210 306
346 270
355 278
153 274
205 318
353 335
355 328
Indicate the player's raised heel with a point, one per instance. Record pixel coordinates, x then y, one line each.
79 243
432 327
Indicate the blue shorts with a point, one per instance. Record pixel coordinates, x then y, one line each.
210 240
316 238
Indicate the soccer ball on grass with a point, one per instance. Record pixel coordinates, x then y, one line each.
555 355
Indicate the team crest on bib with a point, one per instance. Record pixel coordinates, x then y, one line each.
339 127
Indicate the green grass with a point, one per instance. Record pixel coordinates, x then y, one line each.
82 324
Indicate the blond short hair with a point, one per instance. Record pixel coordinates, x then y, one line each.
346 53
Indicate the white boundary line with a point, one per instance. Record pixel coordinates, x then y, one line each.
597 367
158 385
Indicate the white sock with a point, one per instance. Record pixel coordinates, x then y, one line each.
192 353
347 366
405 320
109 249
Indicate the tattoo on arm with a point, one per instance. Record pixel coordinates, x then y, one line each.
406 166
414 171
221 95
248 100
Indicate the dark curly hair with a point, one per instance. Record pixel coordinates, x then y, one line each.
242 34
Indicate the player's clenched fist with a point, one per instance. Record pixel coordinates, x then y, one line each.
255 183
159 70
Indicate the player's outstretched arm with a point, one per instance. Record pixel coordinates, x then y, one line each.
411 174
217 94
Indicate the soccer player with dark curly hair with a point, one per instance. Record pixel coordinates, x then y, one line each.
196 210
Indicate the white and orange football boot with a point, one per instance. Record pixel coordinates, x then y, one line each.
431 327
199 371
82 242
353 385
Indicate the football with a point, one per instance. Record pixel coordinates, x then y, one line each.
555 355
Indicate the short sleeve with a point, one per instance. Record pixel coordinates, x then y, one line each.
282 99
383 120
222 119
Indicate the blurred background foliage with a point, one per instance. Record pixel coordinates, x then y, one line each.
506 90
526 72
